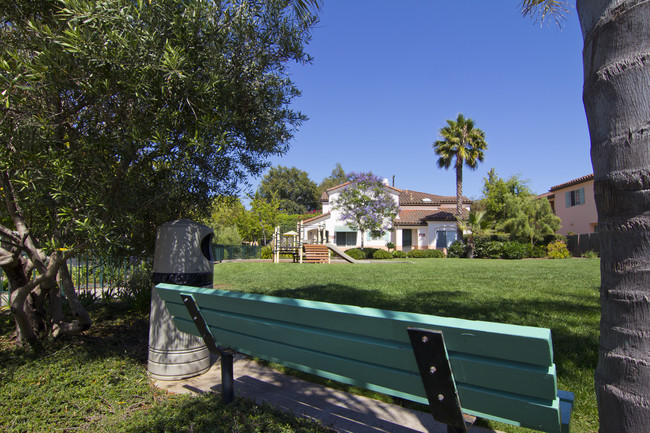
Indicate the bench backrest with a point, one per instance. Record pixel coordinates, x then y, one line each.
502 372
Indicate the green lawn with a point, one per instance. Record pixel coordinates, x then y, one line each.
558 294
97 382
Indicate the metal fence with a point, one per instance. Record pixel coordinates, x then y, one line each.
236 252
90 276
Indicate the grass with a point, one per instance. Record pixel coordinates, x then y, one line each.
97 382
562 295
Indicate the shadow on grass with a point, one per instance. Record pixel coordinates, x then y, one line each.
575 338
207 413
116 332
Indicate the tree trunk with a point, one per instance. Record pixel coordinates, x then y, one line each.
83 321
459 196
617 102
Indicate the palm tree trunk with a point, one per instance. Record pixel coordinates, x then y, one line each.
617 102
459 195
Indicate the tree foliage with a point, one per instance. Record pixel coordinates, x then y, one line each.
500 195
296 192
532 218
118 115
513 208
365 205
337 177
461 144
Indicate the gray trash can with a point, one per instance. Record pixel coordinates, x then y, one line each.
182 256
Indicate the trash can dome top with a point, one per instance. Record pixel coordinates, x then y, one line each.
183 246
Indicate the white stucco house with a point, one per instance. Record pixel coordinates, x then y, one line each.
425 221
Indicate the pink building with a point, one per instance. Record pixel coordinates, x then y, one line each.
574 203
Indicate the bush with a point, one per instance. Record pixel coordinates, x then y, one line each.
434 254
590 254
266 252
390 246
415 254
457 250
382 255
369 252
557 250
487 249
356 253
514 250
399 254
535 251
137 292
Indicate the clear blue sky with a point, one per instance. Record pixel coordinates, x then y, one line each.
387 74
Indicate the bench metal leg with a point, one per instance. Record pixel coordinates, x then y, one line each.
227 377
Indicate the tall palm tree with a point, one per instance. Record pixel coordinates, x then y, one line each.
463 143
616 95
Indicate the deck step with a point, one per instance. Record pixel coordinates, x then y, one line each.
316 254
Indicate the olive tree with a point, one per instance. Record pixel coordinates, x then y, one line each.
117 115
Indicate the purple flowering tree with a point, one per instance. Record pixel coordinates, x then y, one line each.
365 205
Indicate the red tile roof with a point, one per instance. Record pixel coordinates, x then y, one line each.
420 217
573 182
415 198
308 220
408 197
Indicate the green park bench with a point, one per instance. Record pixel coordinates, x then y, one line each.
462 369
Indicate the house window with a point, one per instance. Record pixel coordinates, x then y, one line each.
385 236
346 239
575 197
444 238
407 239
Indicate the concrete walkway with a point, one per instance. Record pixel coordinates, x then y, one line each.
343 412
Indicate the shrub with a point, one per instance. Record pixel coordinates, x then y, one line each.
590 254
557 250
267 252
137 292
416 254
434 254
514 250
486 249
399 254
457 250
369 252
535 251
381 255
390 246
356 253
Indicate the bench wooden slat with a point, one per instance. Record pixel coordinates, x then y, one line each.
520 379
476 401
496 340
342 343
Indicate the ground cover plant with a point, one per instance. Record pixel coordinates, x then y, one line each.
97 382
558 294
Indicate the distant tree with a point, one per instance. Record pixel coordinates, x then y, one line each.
498 193
257 225
461 144
365 205
532 218
475 224
225 211
295 192
337 177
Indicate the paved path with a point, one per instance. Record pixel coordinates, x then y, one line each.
343 412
